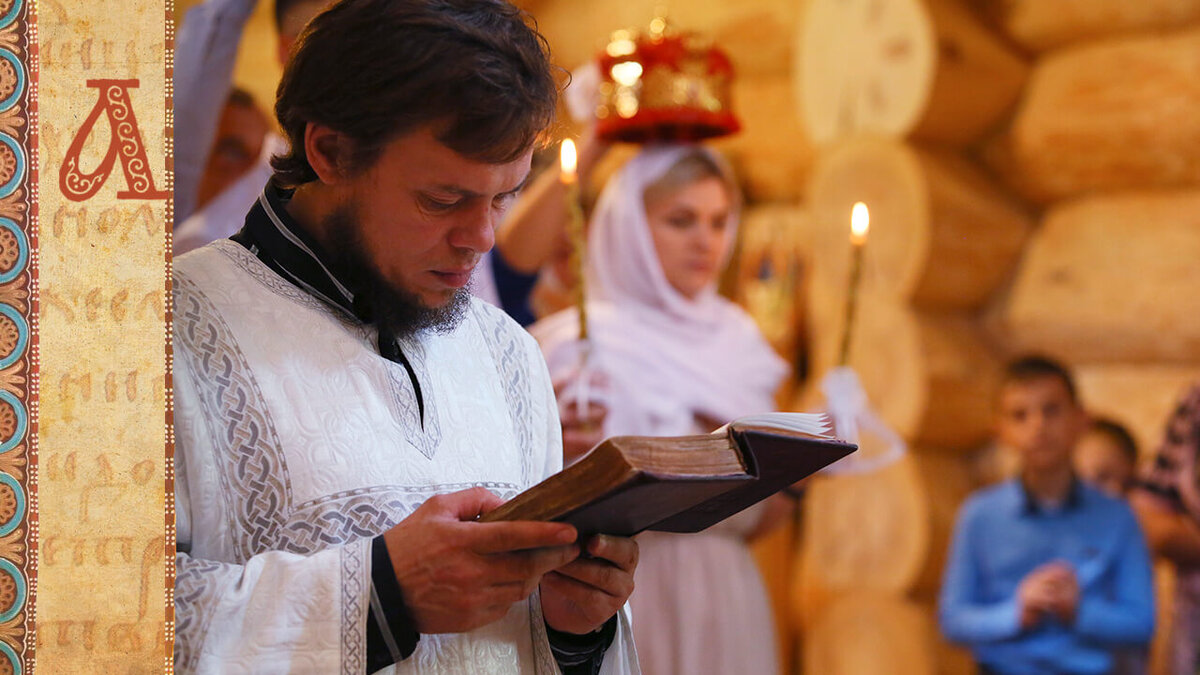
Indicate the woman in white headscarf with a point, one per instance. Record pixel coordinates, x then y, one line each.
672 358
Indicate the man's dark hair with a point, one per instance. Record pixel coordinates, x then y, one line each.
1118 434
1028 368
377 69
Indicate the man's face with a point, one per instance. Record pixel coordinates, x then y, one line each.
1038 420
239 142
424 214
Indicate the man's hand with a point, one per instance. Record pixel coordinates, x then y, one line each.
580 596
1049 589
1065 590
457 574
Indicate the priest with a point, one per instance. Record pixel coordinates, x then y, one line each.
344 410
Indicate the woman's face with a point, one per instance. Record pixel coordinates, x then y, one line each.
688 227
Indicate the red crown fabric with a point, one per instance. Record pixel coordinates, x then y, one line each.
664 86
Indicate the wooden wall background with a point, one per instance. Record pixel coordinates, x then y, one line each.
1033 172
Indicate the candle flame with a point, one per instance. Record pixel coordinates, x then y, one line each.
860 223
626 73
567 161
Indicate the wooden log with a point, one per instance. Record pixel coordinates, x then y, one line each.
257 68
943 236
872 634
931 377
947 481
887 513
903 66
951 659
1161 656
772 155
774 553
1040 25
1108 279
978 80
755 33
1141 397
1108 116
850 79
927 488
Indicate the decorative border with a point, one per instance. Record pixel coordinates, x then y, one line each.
169 309
19 331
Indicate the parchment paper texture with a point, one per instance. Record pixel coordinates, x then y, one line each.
89 381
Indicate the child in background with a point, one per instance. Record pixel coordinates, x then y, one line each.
1106 457
1045 574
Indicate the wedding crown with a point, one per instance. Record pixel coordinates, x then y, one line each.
663 85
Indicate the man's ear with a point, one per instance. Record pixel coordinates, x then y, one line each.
327 152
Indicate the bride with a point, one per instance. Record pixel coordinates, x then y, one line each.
672 357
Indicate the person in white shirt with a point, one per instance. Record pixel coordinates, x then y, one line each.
345 410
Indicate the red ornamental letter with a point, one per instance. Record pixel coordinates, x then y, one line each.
126 141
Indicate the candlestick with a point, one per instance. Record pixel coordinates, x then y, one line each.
860 223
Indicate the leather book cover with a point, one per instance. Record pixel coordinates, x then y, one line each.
776 459
623 487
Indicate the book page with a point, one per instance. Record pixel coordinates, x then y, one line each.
813 424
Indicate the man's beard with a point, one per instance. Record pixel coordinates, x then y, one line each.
393 310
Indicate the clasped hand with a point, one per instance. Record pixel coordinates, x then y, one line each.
1051 589
457 574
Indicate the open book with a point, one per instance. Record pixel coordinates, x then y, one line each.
628 484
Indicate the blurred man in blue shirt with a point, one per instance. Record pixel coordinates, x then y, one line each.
1046 575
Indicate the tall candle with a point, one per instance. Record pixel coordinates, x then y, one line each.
569 178
860 224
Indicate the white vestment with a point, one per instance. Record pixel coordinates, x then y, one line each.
296 444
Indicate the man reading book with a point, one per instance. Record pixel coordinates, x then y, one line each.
345 410
1046 574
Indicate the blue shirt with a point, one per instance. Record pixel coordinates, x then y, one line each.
1002 535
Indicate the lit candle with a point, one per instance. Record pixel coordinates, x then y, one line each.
568 160
860 224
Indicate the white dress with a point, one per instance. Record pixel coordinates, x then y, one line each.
700 605
296 444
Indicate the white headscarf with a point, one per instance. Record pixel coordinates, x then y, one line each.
667 357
